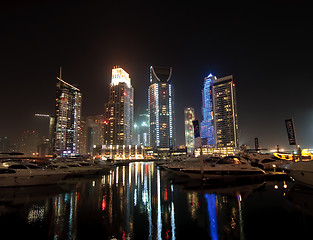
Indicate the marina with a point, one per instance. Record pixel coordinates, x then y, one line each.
141 201
156 121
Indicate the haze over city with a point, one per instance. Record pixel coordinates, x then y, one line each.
266 48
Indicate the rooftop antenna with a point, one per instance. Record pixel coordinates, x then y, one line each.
60 72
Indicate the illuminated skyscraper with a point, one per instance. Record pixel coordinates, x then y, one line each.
207 125
161 108
225 112
67 126
119 111
189 132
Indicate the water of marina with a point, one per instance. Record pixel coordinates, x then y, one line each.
140 202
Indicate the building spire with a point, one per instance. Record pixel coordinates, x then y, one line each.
60 72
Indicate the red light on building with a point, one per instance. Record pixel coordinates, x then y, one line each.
103 203
106 122
124 93
164 92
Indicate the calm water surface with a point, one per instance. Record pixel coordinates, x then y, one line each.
139 202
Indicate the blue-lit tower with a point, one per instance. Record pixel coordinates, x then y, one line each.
207 125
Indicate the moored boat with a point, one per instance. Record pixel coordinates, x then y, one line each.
301 172
75 168
228 168
267 162
13 174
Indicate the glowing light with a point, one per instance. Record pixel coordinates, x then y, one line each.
211 201
157 116
119 75
103 203
41 115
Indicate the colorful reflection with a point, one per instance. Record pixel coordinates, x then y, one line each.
211 201
136 201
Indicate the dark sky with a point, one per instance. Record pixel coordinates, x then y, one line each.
267 48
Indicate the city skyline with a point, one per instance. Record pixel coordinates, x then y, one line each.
266 48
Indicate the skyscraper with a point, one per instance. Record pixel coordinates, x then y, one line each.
189 132
119 111
93 132
225 112
207 125
67 128
29 143
161 108
141 130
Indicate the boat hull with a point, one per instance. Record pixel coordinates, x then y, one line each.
223 175
18 180
301 172
302 177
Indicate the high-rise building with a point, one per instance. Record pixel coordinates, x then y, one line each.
189 131
119 111
161 108
207 124
29 143
225 112
141 130
51 130
4 144
92 133
67 128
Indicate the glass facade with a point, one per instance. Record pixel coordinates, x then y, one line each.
141 130
161 108
119 111
225 112
189 131
67 128
207 125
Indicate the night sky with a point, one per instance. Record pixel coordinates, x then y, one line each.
267 48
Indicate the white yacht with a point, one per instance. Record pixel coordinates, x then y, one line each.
75 168
13 174
267 162
301 172
189 162
227 168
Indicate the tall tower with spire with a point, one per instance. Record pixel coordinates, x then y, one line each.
67 128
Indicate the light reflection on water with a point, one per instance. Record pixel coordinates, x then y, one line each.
139 202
